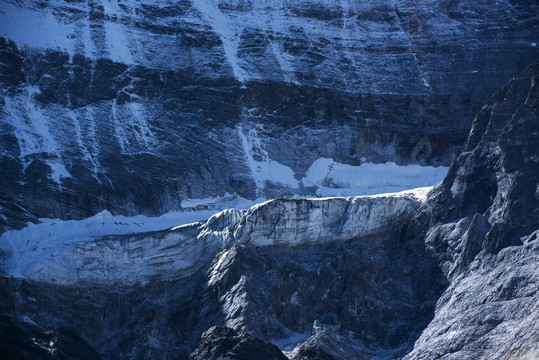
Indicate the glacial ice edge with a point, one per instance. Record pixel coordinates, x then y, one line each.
113 249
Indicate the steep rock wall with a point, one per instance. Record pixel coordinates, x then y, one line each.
481 225
133 106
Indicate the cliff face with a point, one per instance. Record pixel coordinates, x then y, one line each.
299 273
449 275
133 106
482 225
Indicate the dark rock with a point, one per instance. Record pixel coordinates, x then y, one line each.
20 340
482 226
222 343
488 195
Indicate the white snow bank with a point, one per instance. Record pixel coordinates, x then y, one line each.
38 242
262 168
35 29
334 179
226 201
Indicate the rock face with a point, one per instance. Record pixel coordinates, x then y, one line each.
482 225
26 341
222 343
134 106
189 105
274 272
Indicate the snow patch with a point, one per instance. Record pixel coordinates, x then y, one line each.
132 129
91 155
264 169
35 29
228 31
334 179
27 320
38 243
32 128
118 44
59 171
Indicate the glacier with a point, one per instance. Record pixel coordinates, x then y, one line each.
32 248
107 249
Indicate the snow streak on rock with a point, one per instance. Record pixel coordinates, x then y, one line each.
261 166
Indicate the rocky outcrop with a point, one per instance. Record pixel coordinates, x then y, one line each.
481 225
222 343
134 107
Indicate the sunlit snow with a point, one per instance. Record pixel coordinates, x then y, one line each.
265 169
38 241
334 179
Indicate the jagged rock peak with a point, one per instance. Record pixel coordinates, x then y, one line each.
482 226
490 191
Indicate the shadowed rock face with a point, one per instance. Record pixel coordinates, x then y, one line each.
133 107
489 196
221 343
24 341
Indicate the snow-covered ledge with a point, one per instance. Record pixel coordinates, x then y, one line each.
180 251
